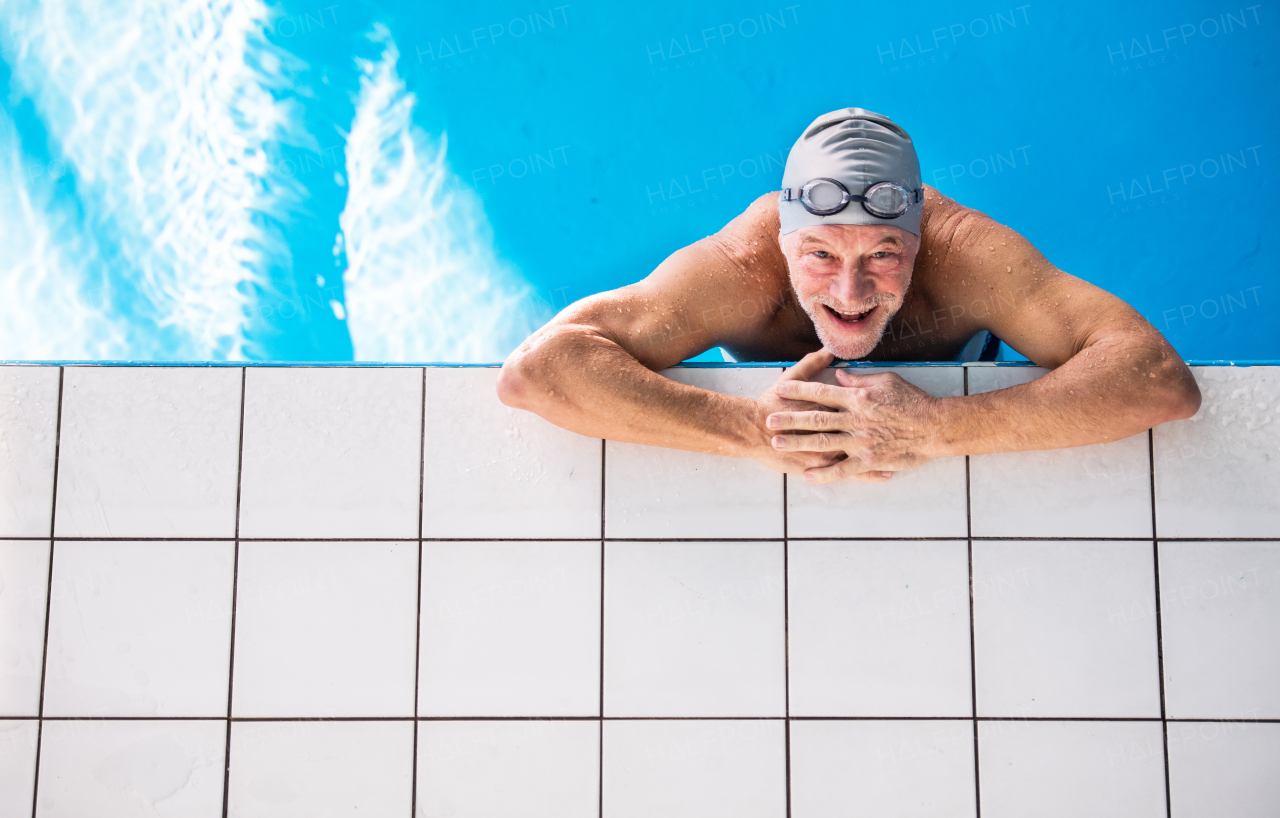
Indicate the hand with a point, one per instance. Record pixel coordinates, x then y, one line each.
771 402
880 422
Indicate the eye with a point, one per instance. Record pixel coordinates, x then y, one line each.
822 254
881 254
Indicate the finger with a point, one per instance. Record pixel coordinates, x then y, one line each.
845 469
809 365
821 442
872 476
815 392
812 421
847 378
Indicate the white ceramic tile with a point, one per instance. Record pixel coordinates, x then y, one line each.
921 769
17 766
308 769
515 769
331 452
879 628
1220 607
695 769
24 584
139 629
1065 629
1218 473
28 432
510 629
1224 769
655 492
928 501
148 451
1103 490
123 769
325 629
694 629
494 471
1057 769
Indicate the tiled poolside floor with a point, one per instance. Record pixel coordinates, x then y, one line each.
313 591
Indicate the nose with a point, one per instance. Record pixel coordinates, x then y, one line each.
852 285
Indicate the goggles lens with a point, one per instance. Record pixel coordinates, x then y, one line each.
886 200
823 197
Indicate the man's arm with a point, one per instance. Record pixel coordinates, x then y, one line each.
592 369
1113 375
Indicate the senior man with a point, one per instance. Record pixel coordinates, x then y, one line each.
854 259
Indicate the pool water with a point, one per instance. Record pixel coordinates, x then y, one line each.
399 181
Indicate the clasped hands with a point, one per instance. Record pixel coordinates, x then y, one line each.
866 428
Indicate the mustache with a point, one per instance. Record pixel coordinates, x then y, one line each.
874 301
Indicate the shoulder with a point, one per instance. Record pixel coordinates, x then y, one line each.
955 239
750 240
947 224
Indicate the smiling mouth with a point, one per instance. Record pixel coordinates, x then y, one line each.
850 320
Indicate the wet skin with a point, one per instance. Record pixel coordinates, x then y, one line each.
866 292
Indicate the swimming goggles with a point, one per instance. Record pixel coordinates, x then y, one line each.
825 197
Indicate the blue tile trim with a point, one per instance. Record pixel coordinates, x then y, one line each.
685 365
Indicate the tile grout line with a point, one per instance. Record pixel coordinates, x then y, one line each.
235 582
293 719
1155 553
600 714
422 453
48 594
786 640
417 632
973 665
649 539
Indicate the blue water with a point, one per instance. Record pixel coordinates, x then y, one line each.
406 181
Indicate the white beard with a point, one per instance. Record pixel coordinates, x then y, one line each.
842 347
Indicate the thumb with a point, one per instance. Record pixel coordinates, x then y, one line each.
809 366
847 378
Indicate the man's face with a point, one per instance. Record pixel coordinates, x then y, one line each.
851 279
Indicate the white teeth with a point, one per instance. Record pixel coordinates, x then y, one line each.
850 316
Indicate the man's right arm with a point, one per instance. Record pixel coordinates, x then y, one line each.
593 368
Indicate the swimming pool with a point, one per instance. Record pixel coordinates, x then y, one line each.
393 181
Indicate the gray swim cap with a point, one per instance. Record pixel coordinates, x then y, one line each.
856 148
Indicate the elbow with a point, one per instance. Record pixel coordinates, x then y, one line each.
525 380
1186 400
1179 398
513 385
532 377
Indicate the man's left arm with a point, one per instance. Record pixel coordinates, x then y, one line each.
1112 374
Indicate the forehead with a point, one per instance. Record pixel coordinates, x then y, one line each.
852 235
